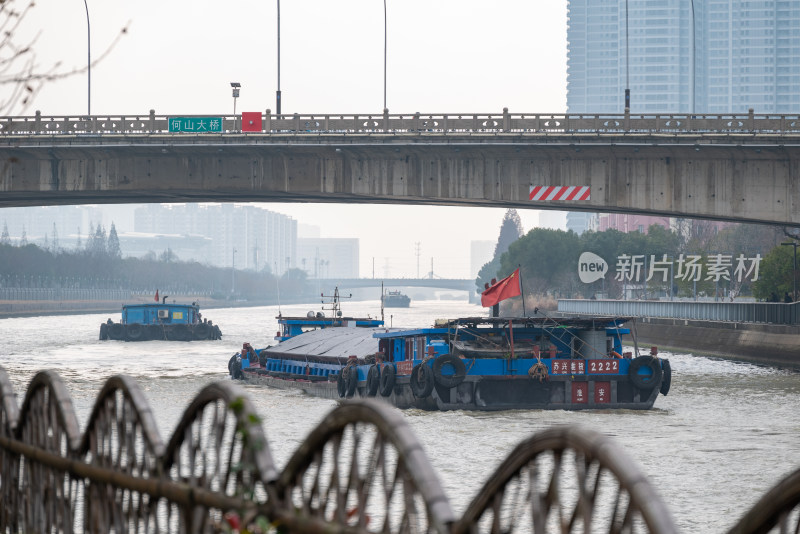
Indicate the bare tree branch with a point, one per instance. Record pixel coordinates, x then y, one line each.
19 69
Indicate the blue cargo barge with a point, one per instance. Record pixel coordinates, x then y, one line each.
160 321
480 363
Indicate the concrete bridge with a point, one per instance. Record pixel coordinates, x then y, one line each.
731 167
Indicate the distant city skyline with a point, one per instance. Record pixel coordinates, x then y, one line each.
382 255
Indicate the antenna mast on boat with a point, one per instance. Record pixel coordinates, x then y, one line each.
336 304
381 300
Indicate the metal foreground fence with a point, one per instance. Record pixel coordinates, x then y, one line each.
400 124
360 470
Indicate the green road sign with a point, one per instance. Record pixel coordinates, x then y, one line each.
195 124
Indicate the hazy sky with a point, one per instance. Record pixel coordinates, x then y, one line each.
444 56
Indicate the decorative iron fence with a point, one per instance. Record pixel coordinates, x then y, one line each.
742 312
360 470
413 123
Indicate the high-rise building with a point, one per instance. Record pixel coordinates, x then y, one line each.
480 253
581 221
683 56
328 257
245 237
631 222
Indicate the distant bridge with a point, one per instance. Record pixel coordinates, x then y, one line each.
726 167
462 284
345 285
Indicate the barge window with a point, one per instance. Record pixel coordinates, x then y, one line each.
420 346
409 349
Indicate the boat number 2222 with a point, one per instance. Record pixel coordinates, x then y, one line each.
604 366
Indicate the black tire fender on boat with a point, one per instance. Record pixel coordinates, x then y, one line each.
341 383
231 364
388 378
459 370
201 331
154 331
116 331
180 332
158 331
645 381
134 332
667 380
421 381
237 369
351 379
373 380
103 331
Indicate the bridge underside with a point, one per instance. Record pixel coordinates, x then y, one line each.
724 178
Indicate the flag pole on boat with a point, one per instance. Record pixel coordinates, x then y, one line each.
278 287
522 290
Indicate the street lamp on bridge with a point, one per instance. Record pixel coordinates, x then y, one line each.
385 109
278 92
88 61
235 86
793 244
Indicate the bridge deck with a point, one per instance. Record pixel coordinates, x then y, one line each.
725 167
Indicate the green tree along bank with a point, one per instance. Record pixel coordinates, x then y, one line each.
549 261
99 265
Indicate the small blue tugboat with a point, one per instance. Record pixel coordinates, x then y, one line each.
160 321
478 363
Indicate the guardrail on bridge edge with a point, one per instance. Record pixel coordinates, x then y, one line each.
534 124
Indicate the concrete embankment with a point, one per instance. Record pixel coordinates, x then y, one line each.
29 308
766 344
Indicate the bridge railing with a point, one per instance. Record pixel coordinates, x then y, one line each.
742 312
415 123
361 469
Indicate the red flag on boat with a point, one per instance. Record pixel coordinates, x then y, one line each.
506 288
156 295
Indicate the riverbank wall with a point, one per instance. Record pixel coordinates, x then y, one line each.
766 344
31 308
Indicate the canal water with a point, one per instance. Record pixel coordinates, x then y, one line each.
725 434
